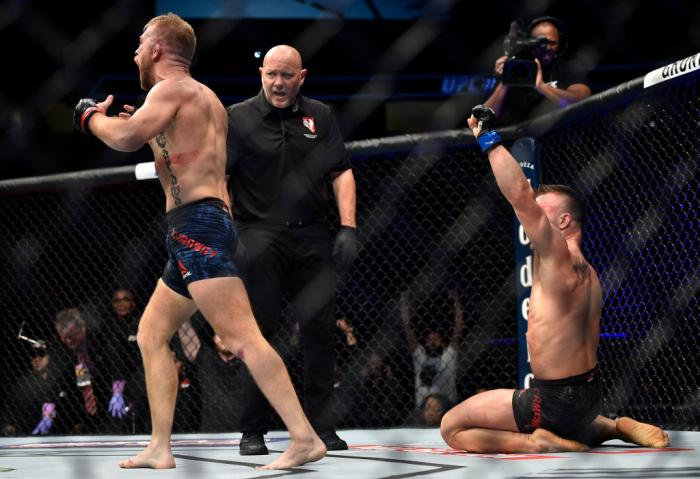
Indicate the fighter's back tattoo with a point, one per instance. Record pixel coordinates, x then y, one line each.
174 186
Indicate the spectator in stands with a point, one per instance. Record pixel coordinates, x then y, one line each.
220 376
378 397
186 346
558 83
36 402
124 306
430 412
213 391
346 345
434 361
118 334
347 332
289 343
89 360
188 404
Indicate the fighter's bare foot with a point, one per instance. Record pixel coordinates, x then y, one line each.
547 441
641 433
150 458
299 452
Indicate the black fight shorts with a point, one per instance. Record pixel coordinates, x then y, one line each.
563 406
201 241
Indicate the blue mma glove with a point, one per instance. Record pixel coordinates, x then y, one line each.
488 137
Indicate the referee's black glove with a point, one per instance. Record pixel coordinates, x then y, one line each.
345 247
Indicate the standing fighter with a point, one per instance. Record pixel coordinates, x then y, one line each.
560 411
185 124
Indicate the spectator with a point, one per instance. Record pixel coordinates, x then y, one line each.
346 346
27 409
188 405
89 359
186 346
118 334
379 395
557 84
210 380
431 411
220 376
347 332
434 362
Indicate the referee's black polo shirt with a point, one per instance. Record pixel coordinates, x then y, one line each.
279 160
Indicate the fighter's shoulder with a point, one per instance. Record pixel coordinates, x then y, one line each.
172 88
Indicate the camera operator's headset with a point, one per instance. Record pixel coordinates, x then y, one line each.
561 27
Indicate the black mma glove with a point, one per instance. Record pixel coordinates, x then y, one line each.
345 247
84 110
488 137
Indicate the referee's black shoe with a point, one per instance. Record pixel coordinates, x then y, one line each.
253 444
332 441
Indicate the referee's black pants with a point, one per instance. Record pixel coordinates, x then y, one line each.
275 260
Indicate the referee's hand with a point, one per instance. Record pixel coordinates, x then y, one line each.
345 247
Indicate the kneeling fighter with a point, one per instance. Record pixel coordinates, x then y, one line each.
561 409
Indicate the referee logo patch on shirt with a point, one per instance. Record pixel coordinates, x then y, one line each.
309 123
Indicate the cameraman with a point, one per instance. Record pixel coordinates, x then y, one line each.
556 83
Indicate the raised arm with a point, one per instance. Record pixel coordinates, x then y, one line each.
130 132
514 185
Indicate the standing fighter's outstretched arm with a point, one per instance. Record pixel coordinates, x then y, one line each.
129 133
513 184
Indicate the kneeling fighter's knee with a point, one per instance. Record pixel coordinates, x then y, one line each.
447 428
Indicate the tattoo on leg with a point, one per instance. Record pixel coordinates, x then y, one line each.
174 186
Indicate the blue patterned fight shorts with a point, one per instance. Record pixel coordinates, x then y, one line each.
201 241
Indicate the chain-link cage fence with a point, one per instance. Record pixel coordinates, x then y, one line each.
436 239
431 223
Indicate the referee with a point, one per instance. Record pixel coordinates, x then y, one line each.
282 148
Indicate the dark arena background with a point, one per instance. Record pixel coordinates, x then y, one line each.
402 77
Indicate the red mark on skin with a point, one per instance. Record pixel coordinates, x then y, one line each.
240 354
184 158
160 166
